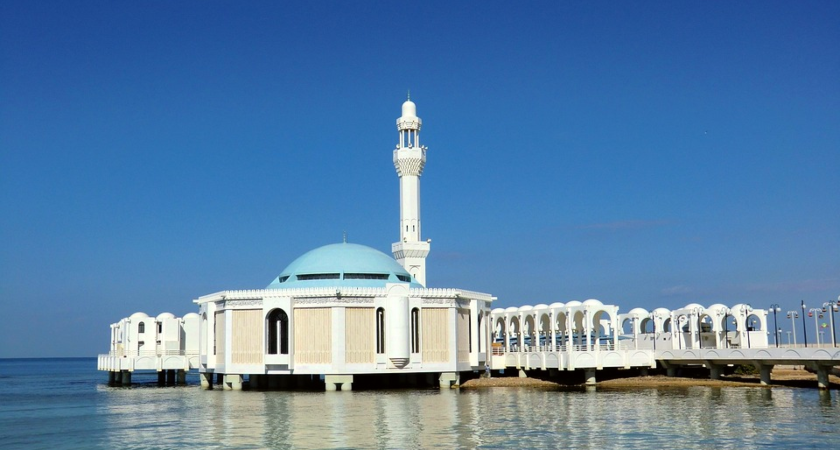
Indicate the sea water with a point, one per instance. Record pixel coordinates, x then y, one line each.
66 403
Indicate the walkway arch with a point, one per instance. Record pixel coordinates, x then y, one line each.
545 330
530 336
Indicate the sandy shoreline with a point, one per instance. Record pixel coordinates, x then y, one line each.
779 378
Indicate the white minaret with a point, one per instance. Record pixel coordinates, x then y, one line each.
409 160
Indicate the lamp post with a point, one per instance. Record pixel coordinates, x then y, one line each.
697 312
832 307
793 315
652 317
726 328
678 333
745 311
804 330
817 313
636 332
775 308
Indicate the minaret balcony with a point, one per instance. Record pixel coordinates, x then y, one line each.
403 250
409 123
410 160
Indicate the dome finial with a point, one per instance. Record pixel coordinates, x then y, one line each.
345 237
408 95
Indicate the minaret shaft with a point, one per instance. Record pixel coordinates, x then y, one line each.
409 160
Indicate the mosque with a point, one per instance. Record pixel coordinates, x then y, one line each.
342 311
345 310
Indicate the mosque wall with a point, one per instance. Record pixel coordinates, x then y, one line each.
219 332
246 336
313 335
434 340
464 335
359 335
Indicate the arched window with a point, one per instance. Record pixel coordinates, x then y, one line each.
277 330
380 330
142 327
415 330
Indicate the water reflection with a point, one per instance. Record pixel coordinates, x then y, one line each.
694 417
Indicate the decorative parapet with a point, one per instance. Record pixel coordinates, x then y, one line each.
339 293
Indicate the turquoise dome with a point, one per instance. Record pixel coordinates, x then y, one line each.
340 265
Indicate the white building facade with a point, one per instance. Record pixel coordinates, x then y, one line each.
165 344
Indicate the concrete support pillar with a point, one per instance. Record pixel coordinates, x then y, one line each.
284 381
206 380
449 380
233 382
643 372
170 377
126 378
765 371
672 371
412 380
522 373
161 375
715 371
822 377
220 378
589 374
334 382
182 377
112 378
274 381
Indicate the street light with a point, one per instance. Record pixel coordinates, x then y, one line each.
715 326
726 327
745 311
804 330
816 313
697 312
832 306
775 308
793 315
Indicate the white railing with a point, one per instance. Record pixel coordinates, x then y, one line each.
153 353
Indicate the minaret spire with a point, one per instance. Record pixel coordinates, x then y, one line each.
409 160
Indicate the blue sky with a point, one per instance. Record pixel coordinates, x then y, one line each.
647 155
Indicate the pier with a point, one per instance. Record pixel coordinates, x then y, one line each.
591 336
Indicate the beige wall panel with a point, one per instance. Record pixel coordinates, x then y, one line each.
313 335
220 337
359 331
463 335
247 339
434 336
